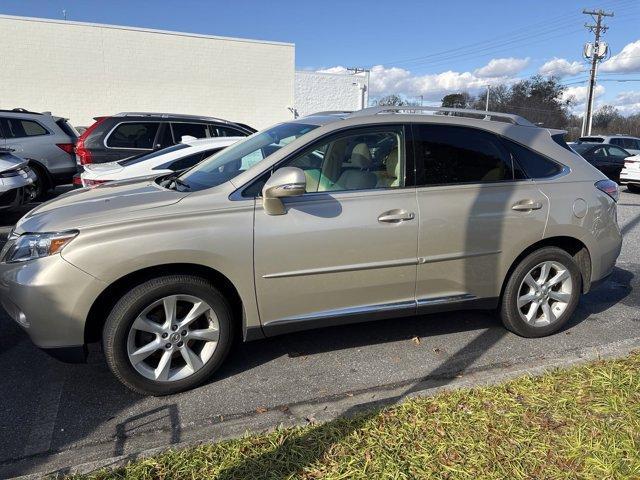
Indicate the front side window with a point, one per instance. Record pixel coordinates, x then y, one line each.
133 135
455 155
196 130
355 161
17 128
241 156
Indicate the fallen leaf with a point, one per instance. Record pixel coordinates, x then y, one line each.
284 408
261 410
416 340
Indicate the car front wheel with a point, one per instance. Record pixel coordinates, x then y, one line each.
168 335
541 293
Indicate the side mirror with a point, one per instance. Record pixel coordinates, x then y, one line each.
285 182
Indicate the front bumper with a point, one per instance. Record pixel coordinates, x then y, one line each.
50 299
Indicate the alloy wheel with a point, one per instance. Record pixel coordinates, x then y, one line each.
173 338
545 293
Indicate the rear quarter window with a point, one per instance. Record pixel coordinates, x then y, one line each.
533 164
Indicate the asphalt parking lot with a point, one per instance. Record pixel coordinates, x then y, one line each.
56 415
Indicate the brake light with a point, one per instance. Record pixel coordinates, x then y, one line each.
67 147
609 187
83 155
77 181
92 183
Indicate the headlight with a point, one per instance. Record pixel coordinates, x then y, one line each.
30 246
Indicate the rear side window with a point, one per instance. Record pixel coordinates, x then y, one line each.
617 141
197 130
454 155
631 143
533 164
226 132
591 139
67 128
18 128
133 135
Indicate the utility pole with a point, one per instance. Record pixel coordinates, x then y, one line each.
364 88
486 108
597 54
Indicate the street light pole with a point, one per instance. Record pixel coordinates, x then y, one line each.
486 108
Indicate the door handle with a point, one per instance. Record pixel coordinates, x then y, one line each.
526 205
396 216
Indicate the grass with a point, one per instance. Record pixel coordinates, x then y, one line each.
582 422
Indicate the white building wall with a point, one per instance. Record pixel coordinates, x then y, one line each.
81 70
316 92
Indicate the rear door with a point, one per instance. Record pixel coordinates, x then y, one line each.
476 211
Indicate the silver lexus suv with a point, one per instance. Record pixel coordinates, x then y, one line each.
326 220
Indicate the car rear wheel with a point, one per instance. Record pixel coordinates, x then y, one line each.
541 293
168 335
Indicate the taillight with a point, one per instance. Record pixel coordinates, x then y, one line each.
92 183
83 155
67 147
609 187
77 181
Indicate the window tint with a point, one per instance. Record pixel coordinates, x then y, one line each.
226 132
617 141
591 139
166 137
197 130
449 155
533 164
358 161
17 128
133 135
631 143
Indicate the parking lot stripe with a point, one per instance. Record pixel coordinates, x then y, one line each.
45 417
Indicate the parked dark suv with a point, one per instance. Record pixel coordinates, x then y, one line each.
123 135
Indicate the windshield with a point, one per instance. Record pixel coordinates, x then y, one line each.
241 156
147 156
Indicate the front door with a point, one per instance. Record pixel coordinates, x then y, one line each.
475 214
347 249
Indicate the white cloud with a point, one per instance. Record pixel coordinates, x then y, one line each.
502 67
628 60
387 80
578 95
627 103
559 67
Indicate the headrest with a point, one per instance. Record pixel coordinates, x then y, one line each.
361 156
393 165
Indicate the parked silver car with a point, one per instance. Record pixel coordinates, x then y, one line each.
325 220
45 141
16 181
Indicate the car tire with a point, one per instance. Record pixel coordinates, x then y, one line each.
532 307
141 319
42 184
633 188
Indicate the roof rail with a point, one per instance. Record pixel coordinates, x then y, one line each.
463 112
174 115
331 112
21 110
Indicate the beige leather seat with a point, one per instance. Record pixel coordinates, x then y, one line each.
361 179
390 177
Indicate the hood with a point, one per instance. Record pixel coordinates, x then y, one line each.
106 204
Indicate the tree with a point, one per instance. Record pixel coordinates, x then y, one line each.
396 101
605 117
457 100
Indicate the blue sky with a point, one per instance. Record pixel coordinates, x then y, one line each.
414 47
